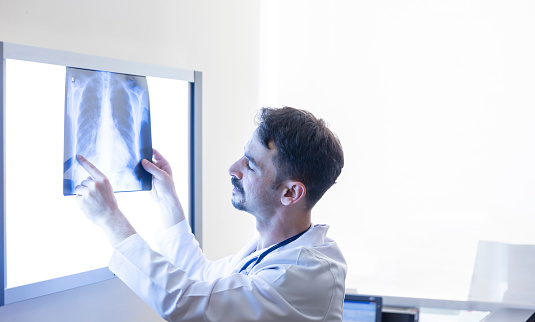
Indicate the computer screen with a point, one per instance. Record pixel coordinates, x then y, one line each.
362 308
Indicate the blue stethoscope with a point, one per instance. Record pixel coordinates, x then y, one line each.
259 258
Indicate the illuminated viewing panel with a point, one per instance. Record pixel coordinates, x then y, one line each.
49 244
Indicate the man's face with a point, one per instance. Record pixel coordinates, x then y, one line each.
253 178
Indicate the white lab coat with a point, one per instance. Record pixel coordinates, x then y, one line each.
301 281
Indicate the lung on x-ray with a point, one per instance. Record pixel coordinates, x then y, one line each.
107 120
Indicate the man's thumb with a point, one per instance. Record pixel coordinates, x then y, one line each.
152 169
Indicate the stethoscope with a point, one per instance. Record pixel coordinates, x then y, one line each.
259 258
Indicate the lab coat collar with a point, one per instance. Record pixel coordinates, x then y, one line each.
315 236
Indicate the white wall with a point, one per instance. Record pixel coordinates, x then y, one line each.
218 38
433 102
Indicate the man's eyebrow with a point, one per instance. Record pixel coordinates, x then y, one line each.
252 160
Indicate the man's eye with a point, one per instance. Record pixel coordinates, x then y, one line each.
248 164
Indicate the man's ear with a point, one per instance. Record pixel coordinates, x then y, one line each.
293 192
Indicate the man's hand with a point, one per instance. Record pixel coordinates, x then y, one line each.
95 194
96 199
164 189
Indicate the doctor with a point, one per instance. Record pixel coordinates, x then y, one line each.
291 272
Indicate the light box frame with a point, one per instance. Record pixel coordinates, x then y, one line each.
70 59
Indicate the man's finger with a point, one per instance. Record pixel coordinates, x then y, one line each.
80 190
153 169
161 162
157 155
90 168
87 183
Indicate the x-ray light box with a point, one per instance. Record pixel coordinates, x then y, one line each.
47 244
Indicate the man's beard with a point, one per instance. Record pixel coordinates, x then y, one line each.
238 204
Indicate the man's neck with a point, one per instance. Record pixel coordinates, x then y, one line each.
274 232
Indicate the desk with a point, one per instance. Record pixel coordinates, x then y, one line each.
444 315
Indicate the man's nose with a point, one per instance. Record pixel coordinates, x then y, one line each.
234 169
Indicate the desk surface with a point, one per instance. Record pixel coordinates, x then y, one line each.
443 315
510 314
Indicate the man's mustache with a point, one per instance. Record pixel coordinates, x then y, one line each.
236 183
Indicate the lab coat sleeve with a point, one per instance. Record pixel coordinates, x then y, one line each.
175 297
179 246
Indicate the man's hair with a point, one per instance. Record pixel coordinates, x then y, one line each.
307 151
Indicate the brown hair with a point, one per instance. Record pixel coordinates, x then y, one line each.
307 150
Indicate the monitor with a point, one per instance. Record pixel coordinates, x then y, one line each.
362 308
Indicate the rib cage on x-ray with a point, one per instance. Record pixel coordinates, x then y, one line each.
107 121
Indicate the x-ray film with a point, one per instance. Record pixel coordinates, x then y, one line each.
107 120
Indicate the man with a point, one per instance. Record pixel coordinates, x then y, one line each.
292 272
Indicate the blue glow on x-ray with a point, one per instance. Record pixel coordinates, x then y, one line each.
107 121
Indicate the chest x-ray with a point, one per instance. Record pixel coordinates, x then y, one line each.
107 121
